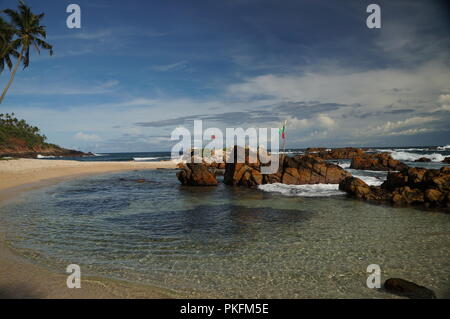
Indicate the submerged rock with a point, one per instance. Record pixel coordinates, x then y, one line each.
408 289
377 162
196 175
411 186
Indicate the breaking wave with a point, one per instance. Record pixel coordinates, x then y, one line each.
143 159
314 190
411 157
444 148
43 157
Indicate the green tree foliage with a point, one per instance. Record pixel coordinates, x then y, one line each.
13 129
24 32
8 47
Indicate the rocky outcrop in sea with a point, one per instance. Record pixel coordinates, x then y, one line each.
336 153
411 186
377 162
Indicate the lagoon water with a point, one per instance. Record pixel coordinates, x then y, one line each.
228 241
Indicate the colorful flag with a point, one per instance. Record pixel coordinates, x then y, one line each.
282 130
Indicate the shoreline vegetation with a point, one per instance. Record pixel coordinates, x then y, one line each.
20 139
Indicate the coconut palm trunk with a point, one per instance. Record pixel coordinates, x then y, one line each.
13 74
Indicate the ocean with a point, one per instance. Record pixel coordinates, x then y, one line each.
278 241
407 154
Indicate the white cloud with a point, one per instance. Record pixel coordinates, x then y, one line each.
374 88
444 99
326 121
87 137
390 126
412 131
31 87
170 67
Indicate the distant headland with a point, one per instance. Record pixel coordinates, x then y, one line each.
20 139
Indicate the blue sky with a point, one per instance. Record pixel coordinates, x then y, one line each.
138 69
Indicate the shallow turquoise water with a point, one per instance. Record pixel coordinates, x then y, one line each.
224 241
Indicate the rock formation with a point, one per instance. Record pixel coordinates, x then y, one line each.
446 160
196 175
337 153
246 173
298 170
411 186
377 162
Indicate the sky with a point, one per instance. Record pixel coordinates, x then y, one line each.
136 70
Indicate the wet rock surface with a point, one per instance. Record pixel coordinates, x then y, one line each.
411 186
408 289
377 162
196 175
297 170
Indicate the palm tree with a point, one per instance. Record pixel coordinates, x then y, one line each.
7 45
29 31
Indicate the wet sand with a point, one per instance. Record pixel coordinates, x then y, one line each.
20 278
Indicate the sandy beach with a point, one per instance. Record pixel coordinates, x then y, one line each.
19 278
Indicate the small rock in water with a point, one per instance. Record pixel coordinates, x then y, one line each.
408 289
141 180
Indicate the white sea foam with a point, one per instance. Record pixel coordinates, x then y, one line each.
314 190
411 157
144 158
371 180
411 149
444 148
42 156
344 165
384 150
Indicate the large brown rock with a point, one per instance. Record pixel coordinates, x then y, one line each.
243 171
196 175
306 169
377 162
359 189
411 186
446 160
